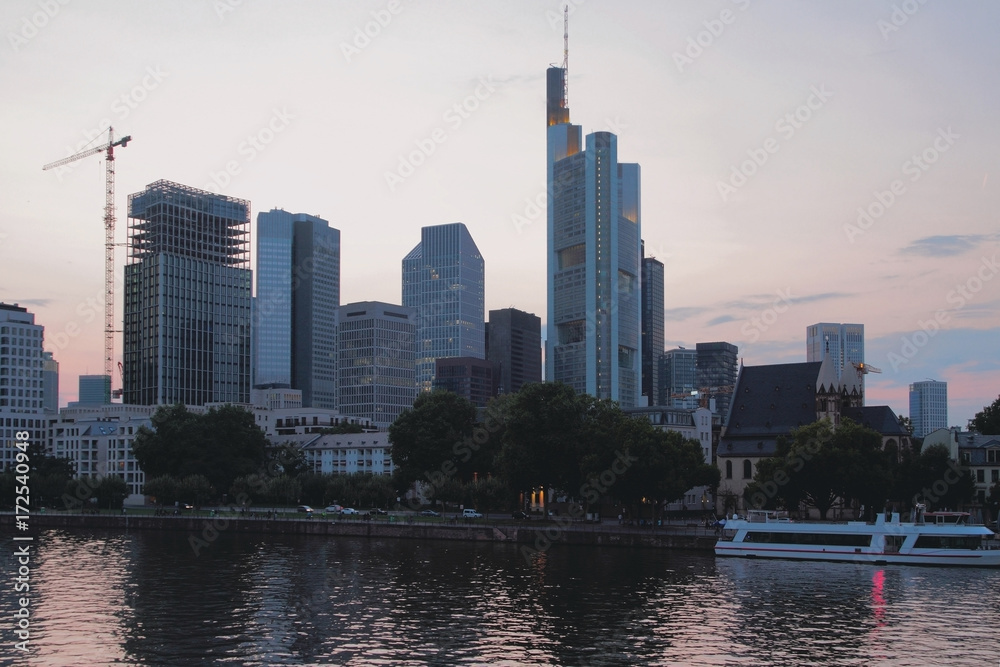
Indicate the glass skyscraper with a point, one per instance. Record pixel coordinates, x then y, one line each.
187 297
594 224
652 327
444 282
928 407
295 311
843 344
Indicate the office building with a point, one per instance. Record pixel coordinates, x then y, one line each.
652 326
716 368
514 344
22 390
375 365
928 406
843 344
187 297
679 380
298 292
473 379
444 282
50 383
94 390
594 225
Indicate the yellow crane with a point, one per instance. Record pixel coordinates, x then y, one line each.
109 237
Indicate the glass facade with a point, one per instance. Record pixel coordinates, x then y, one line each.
22 387
187 297
652 328
444 280
298 292
594 262
843 344
375 373
717 366
928 407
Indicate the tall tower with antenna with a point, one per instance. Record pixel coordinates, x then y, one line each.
594 259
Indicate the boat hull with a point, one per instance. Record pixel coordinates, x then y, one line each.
978 558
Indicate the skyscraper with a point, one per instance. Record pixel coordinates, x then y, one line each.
375 343
514 344
444 281
678 368
50 383
187 297
92 390
594 301
843 344
652 326
298 292
928 406
22 390
717 368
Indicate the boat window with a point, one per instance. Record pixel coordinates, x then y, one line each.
828 539
948 542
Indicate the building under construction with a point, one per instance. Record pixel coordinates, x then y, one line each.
186 333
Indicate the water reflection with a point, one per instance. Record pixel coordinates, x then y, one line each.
147 599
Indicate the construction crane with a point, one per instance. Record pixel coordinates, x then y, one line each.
109 237
865 369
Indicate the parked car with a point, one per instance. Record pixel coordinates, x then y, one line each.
376 510
520 516
349 510
334 509
305 509
430 513
471 514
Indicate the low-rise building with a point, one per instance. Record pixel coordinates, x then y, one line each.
348 453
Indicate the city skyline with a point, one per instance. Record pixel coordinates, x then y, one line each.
803 164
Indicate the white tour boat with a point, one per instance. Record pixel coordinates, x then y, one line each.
932 538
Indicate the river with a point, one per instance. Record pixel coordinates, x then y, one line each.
145 598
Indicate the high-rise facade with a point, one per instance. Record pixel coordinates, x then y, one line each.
444 282
187 297
514 344
678 369
843 344
473 379
652 326
50 383
717 366
22 390
92 390
375 369
594 226
928 407
295 310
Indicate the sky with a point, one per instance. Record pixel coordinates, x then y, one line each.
802 162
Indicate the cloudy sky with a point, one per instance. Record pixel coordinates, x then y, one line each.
802 162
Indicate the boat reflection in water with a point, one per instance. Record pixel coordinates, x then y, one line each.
932 538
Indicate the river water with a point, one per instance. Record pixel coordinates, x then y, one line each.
145 598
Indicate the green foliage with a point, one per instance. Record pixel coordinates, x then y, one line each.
111 492
987 422
819 464
429 436
163 488
342 428
222 444
935 480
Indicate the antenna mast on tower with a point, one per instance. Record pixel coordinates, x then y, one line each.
566 56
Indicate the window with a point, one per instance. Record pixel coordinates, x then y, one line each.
747 469
729 469
981 476
995 475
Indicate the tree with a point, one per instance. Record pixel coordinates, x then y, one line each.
222 444
342 428
937 481
162 488
818 465
987 422
111 492
426 438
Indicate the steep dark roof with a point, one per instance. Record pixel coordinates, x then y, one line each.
879 418
772 400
